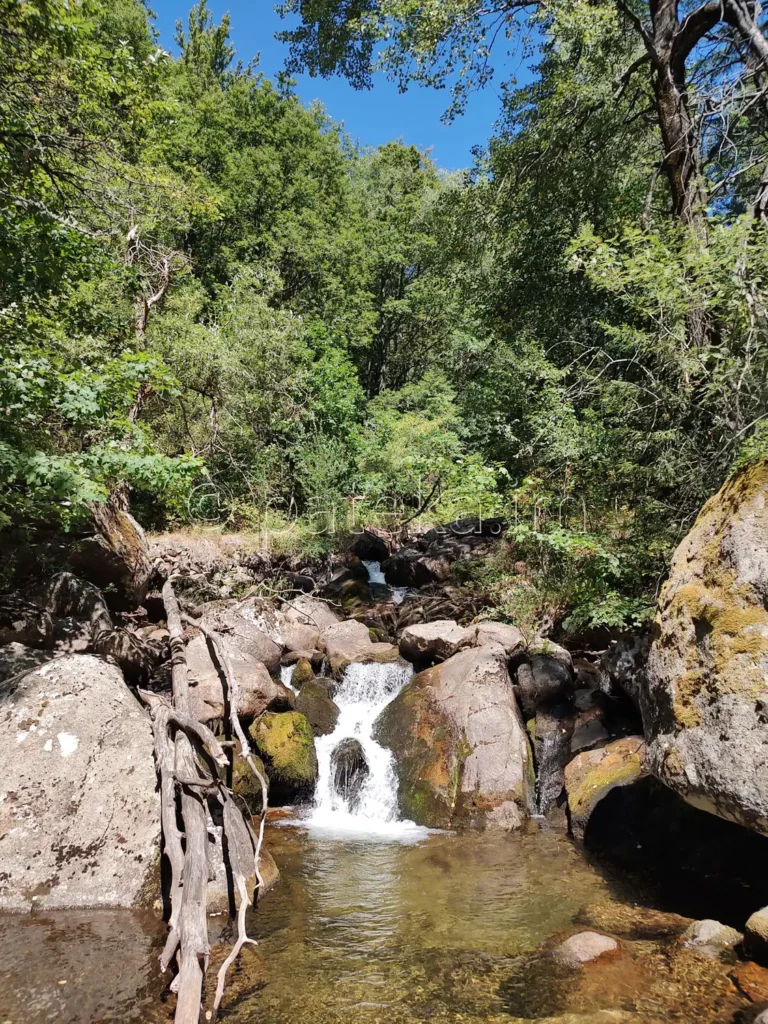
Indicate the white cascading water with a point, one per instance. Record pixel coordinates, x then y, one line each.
286 676
375 575
364 692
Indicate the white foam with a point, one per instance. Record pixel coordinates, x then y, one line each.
375 575
286 676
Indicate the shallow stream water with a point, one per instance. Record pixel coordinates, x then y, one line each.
444 928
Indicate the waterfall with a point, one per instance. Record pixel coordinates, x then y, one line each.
286 676
364 692
377 578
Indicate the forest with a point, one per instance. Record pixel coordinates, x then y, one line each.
220 309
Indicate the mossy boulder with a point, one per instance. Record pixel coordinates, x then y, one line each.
705 707
302 674
315 704
244 782
592 775
285 744
460 746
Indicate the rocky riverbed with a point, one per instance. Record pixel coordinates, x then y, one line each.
381 712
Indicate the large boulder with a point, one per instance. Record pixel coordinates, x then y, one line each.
285 744
116 557
545 681
706 707
16 658
79 808
411 568
349 642
310 611
590 776
507 638
22 622
461 749
258 690
72 597
248 628
434 641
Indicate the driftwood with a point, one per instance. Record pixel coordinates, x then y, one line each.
182 747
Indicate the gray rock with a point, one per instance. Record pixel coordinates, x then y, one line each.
710 937
350 641
501 634
350 770
310 611
584 948
756 936
258 690
23 622
16 658
705 712
434 641
625 662
544 682
70 596
79 811
248 629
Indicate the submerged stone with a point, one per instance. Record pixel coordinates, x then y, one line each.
584 948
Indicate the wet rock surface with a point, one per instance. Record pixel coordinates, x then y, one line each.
584 948
315 704
285 744
350 770
461 749
591 776
79 814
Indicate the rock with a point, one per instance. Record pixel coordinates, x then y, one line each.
350 641
373 545
551 735
625 662
585 948
258 690
541 646
410 568
751 979
302 674
706 708
248 629
631 922
710 937
22 622
284 742
70 596
16 658
544 682
244 783
350 770
317 707
461 749
756 936
79 811
220 898
137 656
310 611
508 638
589 732
434 641
593 774
116 558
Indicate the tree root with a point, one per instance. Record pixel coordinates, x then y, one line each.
182 746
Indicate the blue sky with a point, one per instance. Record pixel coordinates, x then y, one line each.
372 117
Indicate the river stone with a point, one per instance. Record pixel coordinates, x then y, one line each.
434 641
508 638
592 775
284 742
544 682
706 707
79 808
244 783
310 611
710 937
459 743
350 641
16 658
545 647
248 632
585 948
756 936
752 980
258 690
350 770
315 704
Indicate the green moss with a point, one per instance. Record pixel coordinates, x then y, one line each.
302 673
612 771
285 742
244 782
